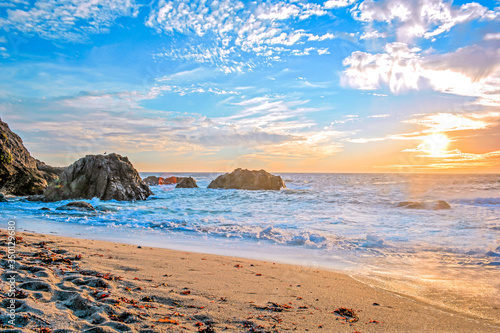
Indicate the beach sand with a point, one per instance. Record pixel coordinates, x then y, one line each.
78 285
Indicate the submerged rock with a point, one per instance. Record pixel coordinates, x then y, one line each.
434 205
187 182
107 177
244 179
77 205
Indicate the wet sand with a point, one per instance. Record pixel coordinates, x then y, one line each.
76 285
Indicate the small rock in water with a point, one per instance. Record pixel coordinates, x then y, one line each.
248 180
434 205
187 182
37 197
77 205
2 198
44 208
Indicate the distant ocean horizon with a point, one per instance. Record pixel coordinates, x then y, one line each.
349 222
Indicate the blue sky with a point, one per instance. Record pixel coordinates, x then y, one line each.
313 86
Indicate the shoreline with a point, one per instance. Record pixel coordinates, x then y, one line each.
195 291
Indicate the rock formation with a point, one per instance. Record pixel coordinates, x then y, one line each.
19 174
153 180
248 180
434 205
107 177
186 182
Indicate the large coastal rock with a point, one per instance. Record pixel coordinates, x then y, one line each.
106 177
19 174
244 179
186 182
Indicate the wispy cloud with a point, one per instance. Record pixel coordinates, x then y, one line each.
93 122
66 20
229 34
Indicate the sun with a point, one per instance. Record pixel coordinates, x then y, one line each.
435 144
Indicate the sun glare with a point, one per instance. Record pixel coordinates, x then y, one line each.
435 144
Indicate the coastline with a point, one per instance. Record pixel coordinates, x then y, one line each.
161 289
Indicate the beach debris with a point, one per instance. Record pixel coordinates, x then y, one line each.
346 314
168 321
275 307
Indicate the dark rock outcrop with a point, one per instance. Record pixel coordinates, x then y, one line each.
77 205
434 205
186 182
49 173
18 172
2 198
244 179
152 180
107 177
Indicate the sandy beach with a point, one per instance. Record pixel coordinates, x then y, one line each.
76 285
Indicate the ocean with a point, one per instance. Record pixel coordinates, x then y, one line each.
346 222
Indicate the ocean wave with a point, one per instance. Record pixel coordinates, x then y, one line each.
491 201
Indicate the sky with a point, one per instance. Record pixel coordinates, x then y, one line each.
286 86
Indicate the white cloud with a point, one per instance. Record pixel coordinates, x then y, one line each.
65 20
492 36
399 67
372 35
337 3
470 71
420 18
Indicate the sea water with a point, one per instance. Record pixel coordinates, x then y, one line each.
347 222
